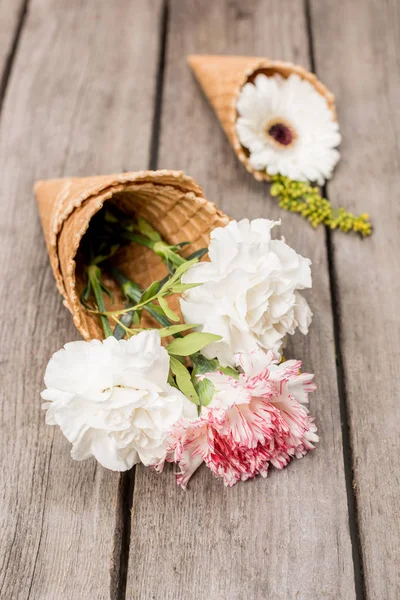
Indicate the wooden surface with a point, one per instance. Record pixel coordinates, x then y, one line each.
95 87
11 18
367 275
224 542
72 107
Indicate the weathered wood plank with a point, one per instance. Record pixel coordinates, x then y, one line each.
11 14
287 536
356 50
80 102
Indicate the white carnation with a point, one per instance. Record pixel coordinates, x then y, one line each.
249 294
112 401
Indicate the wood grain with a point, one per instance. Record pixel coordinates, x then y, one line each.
363 37
287 536
11 16
80 102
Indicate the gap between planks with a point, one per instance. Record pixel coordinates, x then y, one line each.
127 484
9 61
224 28
341 381
37 553
122 544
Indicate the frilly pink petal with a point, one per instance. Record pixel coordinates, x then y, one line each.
252 422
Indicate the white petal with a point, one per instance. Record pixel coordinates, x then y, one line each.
128 419
302 313
313 155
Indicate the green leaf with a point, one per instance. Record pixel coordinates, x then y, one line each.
150 292
198 254
184 381
94 275
178 274
85 294
136 316
174 258
168 254
178 288
170 267
131 290
191 343
167 310
229 371
157 313
146 229
107 291
173 329
183 268
157 310
202 365
205 390
139 239
180 245
171 380
126 319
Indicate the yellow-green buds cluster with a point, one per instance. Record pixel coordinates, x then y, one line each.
304 198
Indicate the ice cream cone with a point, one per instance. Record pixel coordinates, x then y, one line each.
222 77
170 201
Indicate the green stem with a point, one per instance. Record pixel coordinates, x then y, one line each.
133 292
94 275
139 239
130 289
159 247
168 254
119 329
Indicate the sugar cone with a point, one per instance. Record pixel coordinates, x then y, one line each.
173 203
222 77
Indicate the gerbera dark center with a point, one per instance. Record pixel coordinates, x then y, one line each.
281 134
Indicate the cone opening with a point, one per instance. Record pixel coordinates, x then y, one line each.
282 70
178 214
163 208
171 201
285 70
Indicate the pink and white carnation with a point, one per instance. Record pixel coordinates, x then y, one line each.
252 421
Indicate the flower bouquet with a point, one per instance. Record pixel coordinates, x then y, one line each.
184 314
282 124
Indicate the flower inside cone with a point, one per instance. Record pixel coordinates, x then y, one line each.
287 127
218 395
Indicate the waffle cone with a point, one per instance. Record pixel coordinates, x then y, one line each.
170 201
222 77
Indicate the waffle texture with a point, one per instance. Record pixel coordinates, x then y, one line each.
222 77
172 202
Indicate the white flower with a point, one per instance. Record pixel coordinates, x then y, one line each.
288 128
249 294
112 401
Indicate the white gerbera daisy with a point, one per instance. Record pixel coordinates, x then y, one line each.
288 128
